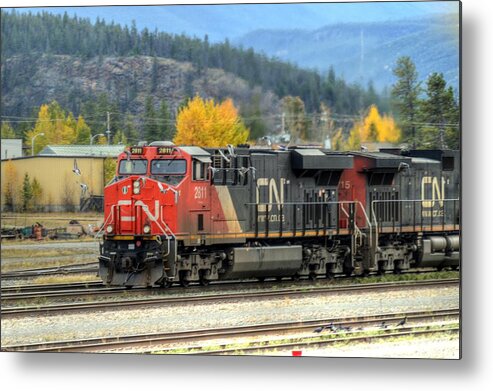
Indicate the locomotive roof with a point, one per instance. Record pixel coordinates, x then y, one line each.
195 151
382 160
315 159
423 160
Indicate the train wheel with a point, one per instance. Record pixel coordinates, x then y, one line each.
261 279
348 270
204 281
279 279
167 284
330 275
184 281
296 277
312 276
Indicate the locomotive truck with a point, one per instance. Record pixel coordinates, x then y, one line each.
181 214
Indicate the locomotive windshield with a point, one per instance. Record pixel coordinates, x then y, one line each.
168 167
133 166
170 171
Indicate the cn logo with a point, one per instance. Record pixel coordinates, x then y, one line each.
153 217
275 194
431 185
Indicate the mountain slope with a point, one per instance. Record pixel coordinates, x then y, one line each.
74 81
367 51
232 20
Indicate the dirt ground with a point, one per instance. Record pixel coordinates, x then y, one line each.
49 220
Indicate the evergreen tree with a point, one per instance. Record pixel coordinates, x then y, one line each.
37 193
405 94
130 130
29 34
165 123
27 193
295 120
119 138
154 74
253 118
151 127
439 114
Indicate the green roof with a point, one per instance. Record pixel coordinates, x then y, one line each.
82 150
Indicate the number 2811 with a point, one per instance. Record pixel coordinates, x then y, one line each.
200 192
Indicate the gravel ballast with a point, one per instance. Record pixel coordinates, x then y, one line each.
223 314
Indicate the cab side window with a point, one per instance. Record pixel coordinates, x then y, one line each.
200 171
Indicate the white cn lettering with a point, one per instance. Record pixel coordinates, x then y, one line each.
437 192
275 195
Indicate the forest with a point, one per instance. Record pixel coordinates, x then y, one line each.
314 106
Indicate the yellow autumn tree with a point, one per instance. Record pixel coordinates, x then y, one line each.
373 128
58 128
205 123
9 186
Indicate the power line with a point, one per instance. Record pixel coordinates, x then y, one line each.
163 121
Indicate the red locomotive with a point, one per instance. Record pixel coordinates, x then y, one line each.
185 213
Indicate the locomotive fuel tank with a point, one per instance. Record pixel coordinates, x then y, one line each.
278 261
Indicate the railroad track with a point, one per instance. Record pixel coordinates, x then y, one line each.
17 291
160 301
10 295
90 267
342 327
41 288
310 342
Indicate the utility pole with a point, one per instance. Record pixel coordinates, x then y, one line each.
108 132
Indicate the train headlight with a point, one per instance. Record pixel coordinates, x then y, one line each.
137 187
147 229
109 229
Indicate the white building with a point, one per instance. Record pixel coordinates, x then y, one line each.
11 147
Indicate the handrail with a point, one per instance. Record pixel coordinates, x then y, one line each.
383 201
105 223
340 203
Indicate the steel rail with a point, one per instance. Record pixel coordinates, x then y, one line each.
150 340
91 306
50 287
193 284
310 343
79 289
67 269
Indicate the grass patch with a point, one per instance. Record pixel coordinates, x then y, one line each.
64 279
42 253
405 277
33 242
40 264
21 259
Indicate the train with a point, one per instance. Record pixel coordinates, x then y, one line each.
187 214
